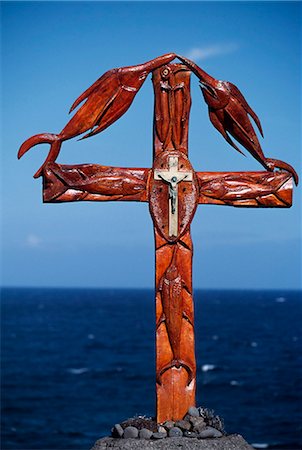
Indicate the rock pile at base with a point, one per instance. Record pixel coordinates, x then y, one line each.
199 423
230 442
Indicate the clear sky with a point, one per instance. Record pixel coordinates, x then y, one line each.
52 51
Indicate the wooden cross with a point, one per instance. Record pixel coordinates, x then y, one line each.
173 190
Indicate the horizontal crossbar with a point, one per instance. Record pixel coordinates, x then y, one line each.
92 182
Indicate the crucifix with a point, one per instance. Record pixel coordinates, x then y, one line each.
173 190
172 177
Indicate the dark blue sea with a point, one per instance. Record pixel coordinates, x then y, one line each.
76 361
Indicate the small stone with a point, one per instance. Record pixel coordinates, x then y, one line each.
175 432
198 424
209 432
117 431
202 412
159 435
193 411
183 425
190 434
145 434
168 425
162 429
130 433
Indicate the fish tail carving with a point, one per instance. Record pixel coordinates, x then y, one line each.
104 102
45 138
272 163
175 363
173 312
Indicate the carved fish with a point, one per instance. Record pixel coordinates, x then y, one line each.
93 179
170 97
229 113
105 102
99 179
173 312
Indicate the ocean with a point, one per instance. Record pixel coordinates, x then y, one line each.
77 361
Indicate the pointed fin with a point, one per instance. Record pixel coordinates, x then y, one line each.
97 126
239 96
92 88
219 126
247 135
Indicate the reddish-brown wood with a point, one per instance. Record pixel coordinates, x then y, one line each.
175 357
173 190
105 102
228 112
254 189
91 182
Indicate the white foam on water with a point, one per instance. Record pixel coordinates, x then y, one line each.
254 344
207 367
234 383
78 371
260 445
280 299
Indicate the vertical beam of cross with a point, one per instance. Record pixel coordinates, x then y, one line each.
175 354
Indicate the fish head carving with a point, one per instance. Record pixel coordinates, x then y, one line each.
215 94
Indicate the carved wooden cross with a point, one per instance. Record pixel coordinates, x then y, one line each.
173 190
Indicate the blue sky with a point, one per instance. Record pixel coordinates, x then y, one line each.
52 51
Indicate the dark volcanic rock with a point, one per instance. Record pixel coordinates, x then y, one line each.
140 422
183 425
193 411
169 424
117 431
190 434
159 435
130 432
232 442
175 432
145 434
210 432
198 423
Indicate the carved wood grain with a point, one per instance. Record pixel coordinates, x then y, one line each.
175 354
92 182
249 189
175 348
100 106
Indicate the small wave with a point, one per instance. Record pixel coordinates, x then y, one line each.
234 383
280 299
207 367
78 371
260 445
254 344
91 336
